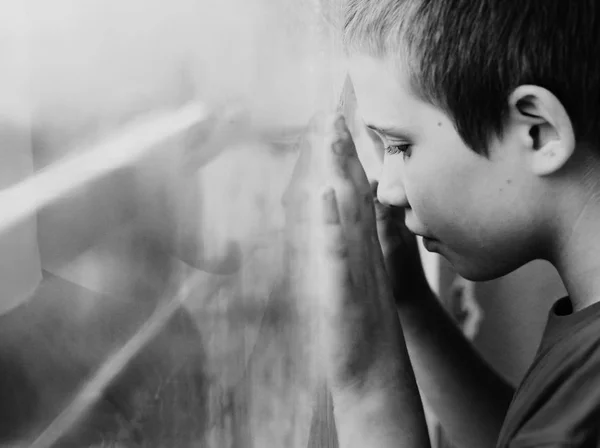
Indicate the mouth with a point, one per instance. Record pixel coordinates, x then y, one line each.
430 243
421 234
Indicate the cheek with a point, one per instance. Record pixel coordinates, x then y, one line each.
433 193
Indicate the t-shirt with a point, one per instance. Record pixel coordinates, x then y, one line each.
558 402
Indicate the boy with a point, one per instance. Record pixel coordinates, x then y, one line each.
489 111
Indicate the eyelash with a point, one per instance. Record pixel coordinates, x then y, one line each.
397 149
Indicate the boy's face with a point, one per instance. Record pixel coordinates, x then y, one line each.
477 211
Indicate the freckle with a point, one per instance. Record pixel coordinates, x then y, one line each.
508 181
439 123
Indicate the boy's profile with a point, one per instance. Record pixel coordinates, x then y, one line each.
490 113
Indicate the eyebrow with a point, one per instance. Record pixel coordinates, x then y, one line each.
395 132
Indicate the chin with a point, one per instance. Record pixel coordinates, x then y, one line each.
481 271
479 265
477 275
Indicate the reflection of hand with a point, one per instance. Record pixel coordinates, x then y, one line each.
401 253
208 139
361 327
203 143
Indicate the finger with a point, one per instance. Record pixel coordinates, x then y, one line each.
333 224
337 280
387 224
344 148
340 143
382 212
350 170
382 220
338 161
345 171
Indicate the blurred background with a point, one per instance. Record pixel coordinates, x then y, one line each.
231 365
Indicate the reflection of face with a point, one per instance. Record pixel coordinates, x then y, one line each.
476 211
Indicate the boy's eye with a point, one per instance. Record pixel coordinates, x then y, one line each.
397 149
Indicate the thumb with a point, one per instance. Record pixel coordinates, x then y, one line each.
382 211
383 219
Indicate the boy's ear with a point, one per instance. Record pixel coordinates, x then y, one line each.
544 128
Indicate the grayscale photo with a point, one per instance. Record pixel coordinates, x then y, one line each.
299 224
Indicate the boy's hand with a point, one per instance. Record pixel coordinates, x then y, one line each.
361 329
375 396
400 252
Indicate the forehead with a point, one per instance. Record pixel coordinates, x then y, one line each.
384 94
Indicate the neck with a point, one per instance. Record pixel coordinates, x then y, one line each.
577 254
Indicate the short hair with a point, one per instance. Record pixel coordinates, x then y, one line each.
467 56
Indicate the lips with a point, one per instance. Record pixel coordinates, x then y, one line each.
416 227
429 244
420 233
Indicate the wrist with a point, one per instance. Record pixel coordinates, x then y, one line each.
386 417
409 283
417 298
386 412
373 387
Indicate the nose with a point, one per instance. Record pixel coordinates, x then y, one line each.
390 190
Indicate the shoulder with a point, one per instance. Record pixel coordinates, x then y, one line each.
558 403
